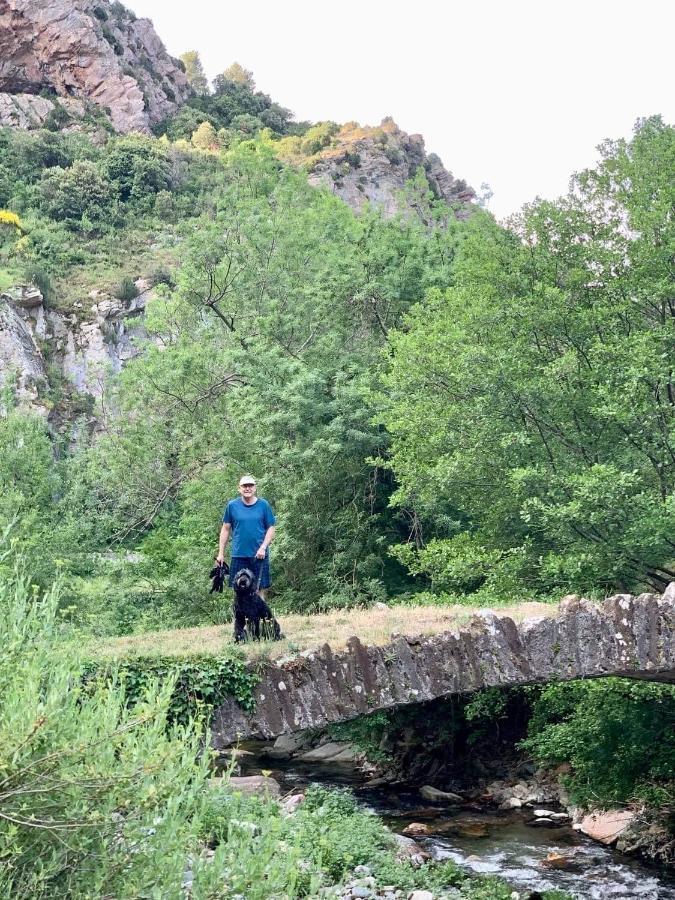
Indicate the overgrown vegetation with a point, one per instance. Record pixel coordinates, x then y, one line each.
617 735
100 796
438 410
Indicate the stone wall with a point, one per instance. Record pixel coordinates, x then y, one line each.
624 635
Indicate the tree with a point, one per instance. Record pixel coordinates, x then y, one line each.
81 190
239 75
194 72
205 137
532 404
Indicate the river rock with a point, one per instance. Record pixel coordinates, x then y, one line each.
556 861
417 829
286 745
260 785
408 850
606 827
290 804
331 752
421 895
438 796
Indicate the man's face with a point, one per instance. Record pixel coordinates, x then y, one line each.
247 492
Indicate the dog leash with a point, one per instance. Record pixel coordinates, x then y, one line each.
260 571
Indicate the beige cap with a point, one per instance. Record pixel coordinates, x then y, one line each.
246 479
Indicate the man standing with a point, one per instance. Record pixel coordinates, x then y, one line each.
250 521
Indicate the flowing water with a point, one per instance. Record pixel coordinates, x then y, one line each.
528 856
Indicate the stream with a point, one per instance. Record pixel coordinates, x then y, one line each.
483 840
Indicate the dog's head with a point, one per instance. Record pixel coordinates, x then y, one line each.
244 581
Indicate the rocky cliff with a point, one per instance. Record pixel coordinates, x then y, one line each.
82 347
373 164
93 50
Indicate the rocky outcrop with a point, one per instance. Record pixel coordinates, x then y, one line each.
21 361
28 111
85 346
93 50
625 635
364 164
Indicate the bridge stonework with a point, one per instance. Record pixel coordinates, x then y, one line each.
624 635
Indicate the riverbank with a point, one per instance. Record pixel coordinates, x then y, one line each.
527 850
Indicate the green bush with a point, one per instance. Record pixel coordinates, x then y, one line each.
97 799
80 190
617 735
126 289
38 275
199 683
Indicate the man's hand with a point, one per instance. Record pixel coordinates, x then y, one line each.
260 554
220 559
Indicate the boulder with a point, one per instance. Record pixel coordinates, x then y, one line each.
606 827
437 796
330 752
286 745
408 850
290 804
417 829
260 785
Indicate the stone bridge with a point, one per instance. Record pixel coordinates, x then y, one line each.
624 635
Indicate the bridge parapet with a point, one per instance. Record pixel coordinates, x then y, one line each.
623 635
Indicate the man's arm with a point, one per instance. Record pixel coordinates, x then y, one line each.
267 540
225 532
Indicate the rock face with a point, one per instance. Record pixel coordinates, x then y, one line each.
625 635
21 361
93 50
28 111
85 346
364 164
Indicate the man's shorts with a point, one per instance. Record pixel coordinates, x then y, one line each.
237 563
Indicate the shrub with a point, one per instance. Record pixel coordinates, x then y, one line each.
126 289
80 190
97 799
161 276
38 275
616 734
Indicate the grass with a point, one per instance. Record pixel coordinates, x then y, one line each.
8 278
305 632
131 253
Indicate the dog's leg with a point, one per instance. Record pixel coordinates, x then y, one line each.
239 626
255 628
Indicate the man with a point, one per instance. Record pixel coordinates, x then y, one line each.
250 521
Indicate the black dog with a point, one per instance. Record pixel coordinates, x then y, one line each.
251 611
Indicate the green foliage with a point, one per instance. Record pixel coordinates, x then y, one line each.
194 71
38 275
617 735
126 289
234 106
531 404
136 166
69 195
199 683
96 799
367 734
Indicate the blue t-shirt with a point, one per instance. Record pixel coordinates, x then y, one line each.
249 524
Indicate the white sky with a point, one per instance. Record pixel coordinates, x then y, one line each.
515 93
